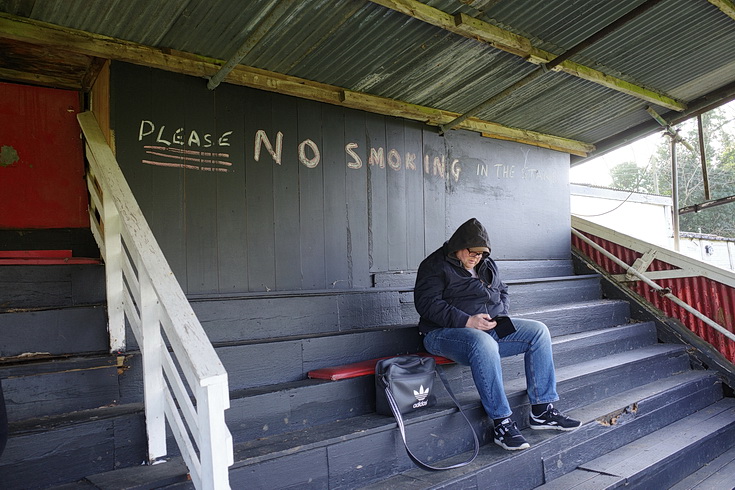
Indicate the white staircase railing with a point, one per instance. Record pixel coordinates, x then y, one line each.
142 291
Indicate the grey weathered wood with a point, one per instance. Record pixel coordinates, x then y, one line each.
529 295
377 189
167 188
288 259
312 240
668 399
231 214
55 393
29 286
79 240
415 246
43 458
306 469
201 201
393 217
54 332
719 473
675 445
165 474
260 245
335 200
365 431
435 197
396 177
357 253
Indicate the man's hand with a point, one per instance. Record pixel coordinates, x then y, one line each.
481 321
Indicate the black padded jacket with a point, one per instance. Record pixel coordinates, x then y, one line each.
446 294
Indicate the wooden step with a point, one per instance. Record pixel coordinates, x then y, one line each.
690 390
718 473
53 332
351 454
329 442
55 387
58 449
47 286
292 404
509 270
331 312
285 408
494 464
662 458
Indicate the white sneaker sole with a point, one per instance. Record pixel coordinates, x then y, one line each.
553 427
525 445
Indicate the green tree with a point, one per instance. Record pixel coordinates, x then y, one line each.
720 154
629 176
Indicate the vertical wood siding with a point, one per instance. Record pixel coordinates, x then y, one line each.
346 195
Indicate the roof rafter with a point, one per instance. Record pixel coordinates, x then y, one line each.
727 6
510 42
99 46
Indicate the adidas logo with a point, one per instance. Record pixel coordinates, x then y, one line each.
421 396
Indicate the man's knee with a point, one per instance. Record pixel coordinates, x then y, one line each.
536 331
483 343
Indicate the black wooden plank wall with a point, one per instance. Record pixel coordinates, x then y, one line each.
353 194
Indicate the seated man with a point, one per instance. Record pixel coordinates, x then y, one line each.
458 294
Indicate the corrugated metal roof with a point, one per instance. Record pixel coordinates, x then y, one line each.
680 48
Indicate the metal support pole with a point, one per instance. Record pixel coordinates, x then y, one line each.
703 158
675 192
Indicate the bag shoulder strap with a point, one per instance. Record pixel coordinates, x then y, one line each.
402 428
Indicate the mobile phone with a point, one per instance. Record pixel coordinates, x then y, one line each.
504 326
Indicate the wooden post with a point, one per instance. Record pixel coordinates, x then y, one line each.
153 383
675 192
113 272
215 450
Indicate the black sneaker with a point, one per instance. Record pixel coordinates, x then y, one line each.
508 436
553 419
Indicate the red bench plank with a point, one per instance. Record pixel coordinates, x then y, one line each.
34 254
73 260
362 368
42 257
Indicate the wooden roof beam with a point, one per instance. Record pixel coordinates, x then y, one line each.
104 47
727 6
502 39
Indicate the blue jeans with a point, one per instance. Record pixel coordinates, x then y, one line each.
482 350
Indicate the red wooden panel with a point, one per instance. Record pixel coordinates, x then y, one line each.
34 254
357 369
41 160
50 261
713 299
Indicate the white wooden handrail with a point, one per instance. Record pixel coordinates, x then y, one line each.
142 290
686 264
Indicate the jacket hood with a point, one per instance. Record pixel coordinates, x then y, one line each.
471 234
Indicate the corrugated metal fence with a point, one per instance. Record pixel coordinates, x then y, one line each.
706 288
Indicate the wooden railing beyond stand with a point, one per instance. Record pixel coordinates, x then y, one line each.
699 295
184 380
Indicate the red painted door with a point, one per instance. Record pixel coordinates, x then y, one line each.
41 160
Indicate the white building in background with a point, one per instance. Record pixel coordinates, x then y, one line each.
648 217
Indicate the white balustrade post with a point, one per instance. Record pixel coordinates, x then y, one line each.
215 440
151 346
113 272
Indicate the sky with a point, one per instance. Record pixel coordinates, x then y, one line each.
597 170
